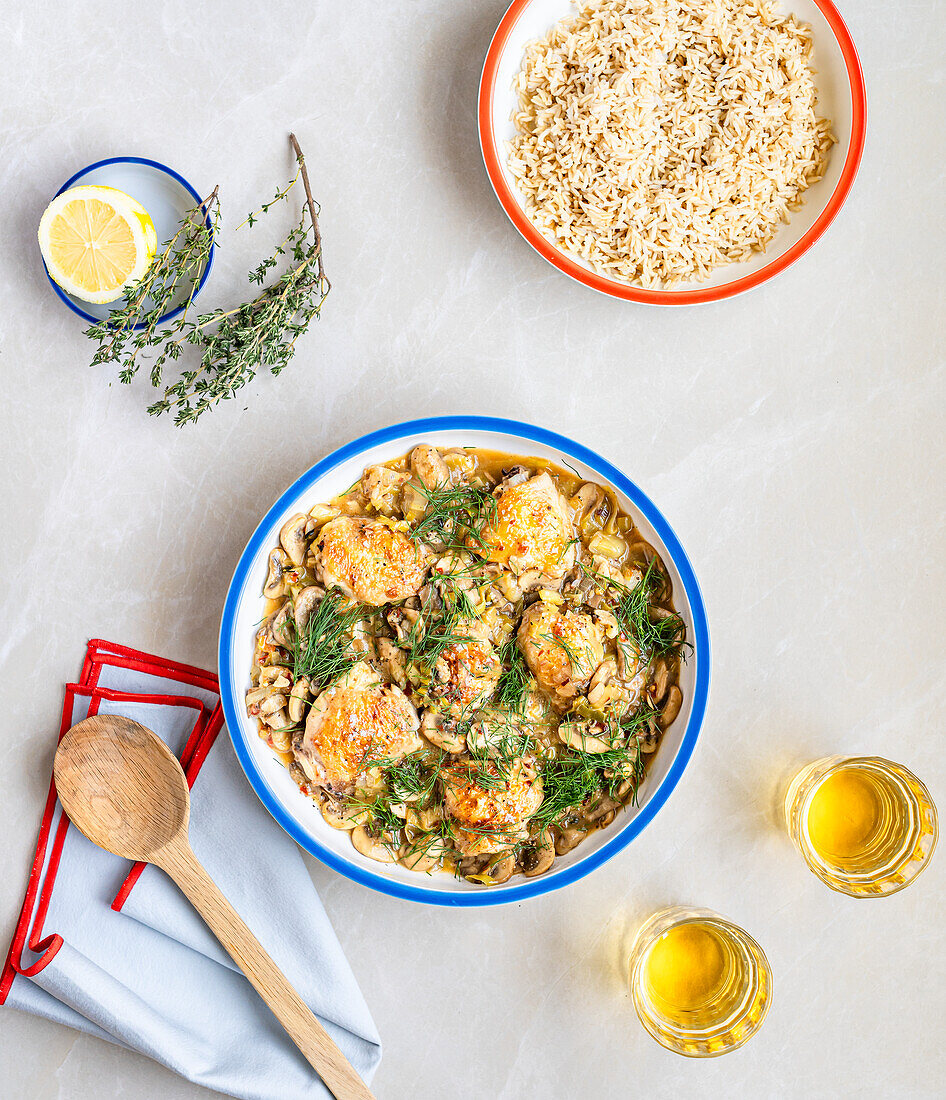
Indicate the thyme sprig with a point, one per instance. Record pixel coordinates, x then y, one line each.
233 344
179 265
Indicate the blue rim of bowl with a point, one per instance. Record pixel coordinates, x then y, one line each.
178 310
530 887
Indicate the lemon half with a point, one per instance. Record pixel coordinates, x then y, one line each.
96 241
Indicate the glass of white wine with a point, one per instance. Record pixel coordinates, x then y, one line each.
701 985
866 826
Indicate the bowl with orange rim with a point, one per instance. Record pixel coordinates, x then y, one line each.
841 98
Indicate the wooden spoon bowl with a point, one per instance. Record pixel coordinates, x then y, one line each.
107 770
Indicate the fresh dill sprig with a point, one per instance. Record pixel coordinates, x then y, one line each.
632 725
324 651
515 681
233 344
581 658
576 541
573 778
437 628
457 517
491 758
568 781
379 817
412 777
663 633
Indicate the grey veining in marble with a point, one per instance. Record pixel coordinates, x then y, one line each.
793 436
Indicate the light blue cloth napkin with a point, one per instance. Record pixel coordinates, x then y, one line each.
151 976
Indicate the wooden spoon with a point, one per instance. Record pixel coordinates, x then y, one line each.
123 787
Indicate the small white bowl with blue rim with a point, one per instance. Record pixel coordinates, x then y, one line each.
167 197
244 608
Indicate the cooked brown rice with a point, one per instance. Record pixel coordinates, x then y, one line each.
659 139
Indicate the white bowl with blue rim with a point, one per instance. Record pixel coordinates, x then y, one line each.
167 197
244 608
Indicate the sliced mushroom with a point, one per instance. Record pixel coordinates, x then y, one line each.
274 676
307 599
428 464
275 585
273 702
362 640
640 552
470 866
568 837
281 738
587 498
577 735
602 690
292 537
425 820
275 629
509 587
372 847
401 620
671 707
298 775
602 807
417 860
341 816
393 662
298 698
445 737
660 680
423 854
538 857
531 579
624 790
271 707
499 869
514 475
650 739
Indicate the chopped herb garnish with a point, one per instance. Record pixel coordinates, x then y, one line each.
324 651
515 681
457 517
572 779
654 631
413 777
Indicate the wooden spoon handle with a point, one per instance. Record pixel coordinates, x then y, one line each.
179 861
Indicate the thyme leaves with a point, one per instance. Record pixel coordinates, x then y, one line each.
233 344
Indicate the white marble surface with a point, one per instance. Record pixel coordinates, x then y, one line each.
794 437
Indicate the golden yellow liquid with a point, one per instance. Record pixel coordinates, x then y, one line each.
865 825
701 986
845 814
686 969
